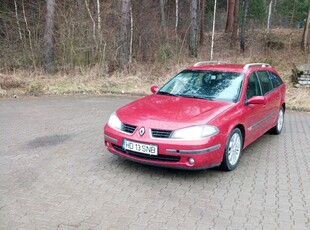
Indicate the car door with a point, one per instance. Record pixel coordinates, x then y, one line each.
272 99
254 113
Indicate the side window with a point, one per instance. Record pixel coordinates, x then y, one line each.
276 80
265 81
253 88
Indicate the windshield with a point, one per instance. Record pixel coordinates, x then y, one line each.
205 84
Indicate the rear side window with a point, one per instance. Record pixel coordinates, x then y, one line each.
276 80
253 88
265 81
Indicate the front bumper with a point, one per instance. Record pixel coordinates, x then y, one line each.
184 154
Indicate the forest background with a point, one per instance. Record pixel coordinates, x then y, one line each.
126 46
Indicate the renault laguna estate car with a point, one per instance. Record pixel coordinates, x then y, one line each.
203 117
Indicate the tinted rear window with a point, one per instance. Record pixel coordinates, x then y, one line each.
276 80
265 81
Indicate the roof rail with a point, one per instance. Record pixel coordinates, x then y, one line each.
247 66
209 63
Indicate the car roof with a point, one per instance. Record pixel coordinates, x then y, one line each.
222 66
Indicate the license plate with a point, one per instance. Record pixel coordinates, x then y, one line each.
140 147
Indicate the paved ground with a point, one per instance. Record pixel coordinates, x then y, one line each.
56 174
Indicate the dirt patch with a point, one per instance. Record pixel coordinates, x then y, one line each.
8 82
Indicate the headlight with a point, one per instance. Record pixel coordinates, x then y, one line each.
114 122
195 132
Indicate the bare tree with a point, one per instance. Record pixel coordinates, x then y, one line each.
176 15
92 19
124 36
244 24
268 22
306 31
235 24
29 35
162 14
98 17
213 29
17 21
49 37
193 38
230 15
269 15
131 35
202 6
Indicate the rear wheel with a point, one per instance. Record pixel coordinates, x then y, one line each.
280 122
233 150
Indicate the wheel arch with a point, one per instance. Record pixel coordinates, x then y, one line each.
284 106
242 129
226 164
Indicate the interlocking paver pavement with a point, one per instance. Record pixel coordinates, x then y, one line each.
56 174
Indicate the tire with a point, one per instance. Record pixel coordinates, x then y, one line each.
280 122
233 150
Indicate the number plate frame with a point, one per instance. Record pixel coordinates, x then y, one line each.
148 149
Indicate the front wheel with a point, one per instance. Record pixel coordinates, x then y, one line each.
233 150
280 122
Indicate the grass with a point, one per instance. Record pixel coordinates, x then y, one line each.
140 77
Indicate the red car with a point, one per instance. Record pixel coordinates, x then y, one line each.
203 117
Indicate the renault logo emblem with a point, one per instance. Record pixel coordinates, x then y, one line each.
141 131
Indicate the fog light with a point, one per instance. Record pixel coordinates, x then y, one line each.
191 161
107 144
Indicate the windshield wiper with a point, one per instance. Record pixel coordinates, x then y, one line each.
165 93
197 97
189 96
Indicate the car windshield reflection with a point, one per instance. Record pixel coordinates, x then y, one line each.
204 84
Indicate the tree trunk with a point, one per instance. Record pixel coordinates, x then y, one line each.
269 15
176 15
17 21
162 14
98 18
131 36
244 23
202 21
124 38
234 33
49 62
92 19
230 15
293 13
99 36
213 29
306 31
193 49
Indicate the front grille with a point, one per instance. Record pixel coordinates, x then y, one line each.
128 128
161 133
163 158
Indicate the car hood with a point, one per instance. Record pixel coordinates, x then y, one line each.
170 112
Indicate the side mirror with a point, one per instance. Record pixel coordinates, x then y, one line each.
154 89
257 100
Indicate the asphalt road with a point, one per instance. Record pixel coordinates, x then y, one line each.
56 174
